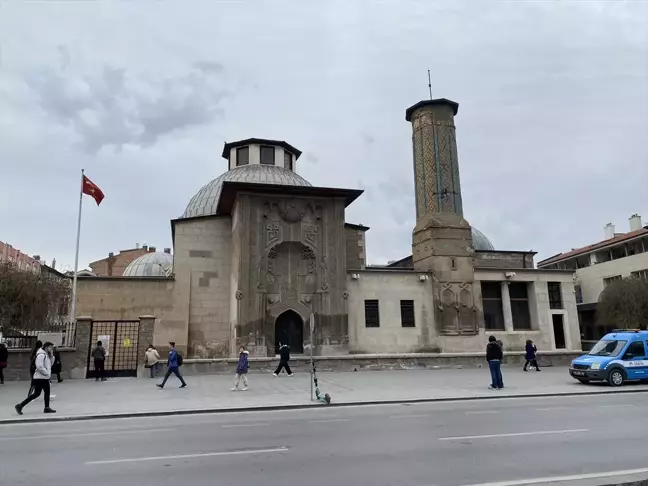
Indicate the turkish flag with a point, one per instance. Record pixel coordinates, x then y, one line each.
92 190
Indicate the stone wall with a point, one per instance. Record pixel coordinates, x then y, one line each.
389 287
113 298
74 360
202 266
374 362
127 298
504 259
355 247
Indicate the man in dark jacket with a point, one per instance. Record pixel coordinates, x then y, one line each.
99 356
173 366
284 357
494 356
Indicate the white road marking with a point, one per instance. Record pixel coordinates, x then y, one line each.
85 434
617 406
482 412
186 456
551 409
516 434
408 416
575 477
231 426
327 421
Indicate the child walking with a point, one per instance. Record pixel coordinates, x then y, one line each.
241 370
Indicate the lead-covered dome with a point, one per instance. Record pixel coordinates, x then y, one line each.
205 202
480 241
156 264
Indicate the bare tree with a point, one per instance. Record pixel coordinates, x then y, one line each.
30 300
624 304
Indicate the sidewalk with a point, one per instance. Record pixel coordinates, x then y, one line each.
77 399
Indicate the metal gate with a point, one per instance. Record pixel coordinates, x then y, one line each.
120 340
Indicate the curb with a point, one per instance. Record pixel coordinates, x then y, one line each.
269 408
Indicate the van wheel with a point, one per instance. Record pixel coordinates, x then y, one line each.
584 382
616 377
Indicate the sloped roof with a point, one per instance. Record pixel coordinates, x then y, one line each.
595 246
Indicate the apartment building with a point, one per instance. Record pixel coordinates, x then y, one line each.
616 256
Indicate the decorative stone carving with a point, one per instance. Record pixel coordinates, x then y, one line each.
288 292
307 253
345 294
325 285
272 253
272 235
310 234
239 295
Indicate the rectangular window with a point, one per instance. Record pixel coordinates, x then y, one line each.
242 156
555 295
267 155
372 314
407 313
492 304
519 294
607 281
641 275
288 160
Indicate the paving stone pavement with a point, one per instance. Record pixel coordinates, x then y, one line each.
76 398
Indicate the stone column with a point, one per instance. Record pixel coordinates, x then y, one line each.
147 324
506 307
79 364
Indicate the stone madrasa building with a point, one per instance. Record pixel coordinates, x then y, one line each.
258 249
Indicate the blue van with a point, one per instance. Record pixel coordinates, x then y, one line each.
619 356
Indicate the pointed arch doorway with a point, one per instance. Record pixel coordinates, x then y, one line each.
289 329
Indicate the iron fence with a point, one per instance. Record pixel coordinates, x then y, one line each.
61 334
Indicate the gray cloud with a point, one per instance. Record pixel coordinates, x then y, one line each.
112 108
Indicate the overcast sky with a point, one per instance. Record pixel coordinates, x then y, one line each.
552 125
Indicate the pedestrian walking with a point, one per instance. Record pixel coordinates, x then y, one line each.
57 366
174 364
99 356
530 355
41 379
4 357
241 369
284 357
32 365
152 357
494 356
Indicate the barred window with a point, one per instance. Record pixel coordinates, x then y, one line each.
407 313
372 313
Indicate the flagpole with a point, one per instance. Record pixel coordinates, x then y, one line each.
76 255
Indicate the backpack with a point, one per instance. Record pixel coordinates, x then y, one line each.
179 358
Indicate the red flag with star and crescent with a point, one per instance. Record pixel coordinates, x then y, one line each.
92 190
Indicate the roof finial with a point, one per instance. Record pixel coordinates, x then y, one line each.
430 84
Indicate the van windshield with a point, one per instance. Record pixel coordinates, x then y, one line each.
607 347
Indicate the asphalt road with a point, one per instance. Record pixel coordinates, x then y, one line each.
462 443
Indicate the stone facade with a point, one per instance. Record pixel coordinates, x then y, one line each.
202 295
290 256
259 250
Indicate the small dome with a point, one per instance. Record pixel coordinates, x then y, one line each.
205 201
480 241
156 264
